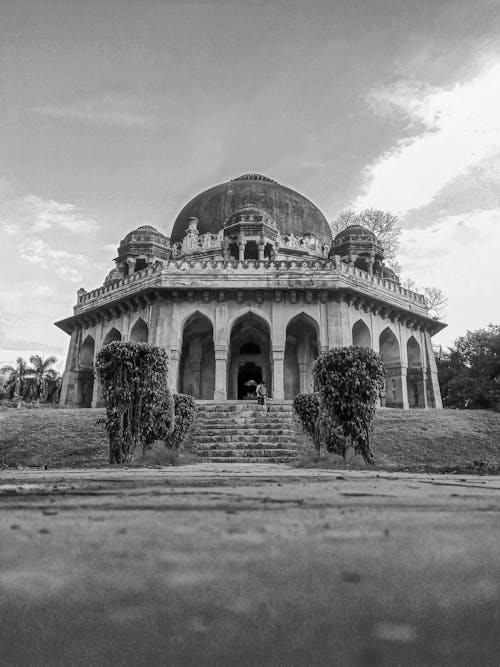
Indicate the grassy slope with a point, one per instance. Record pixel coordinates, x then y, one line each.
414 439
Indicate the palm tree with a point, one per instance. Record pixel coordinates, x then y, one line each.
43 373
16 378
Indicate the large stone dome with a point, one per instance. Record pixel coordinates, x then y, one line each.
292 212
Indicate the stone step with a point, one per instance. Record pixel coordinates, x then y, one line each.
208 439
261 444
257 459
248 454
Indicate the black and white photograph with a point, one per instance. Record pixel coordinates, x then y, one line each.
249 333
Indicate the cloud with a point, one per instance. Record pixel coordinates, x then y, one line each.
458 128
107 110
458 254
28 212
60 261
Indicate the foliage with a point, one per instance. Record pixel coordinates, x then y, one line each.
185 412
307 408
469 372
348 380
33 383
383 224
139 405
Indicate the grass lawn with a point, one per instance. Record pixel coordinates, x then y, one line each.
410 440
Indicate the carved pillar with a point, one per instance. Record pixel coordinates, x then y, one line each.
241 250
278 384
396 389
220 393
173 374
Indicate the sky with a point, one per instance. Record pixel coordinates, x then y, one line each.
114 114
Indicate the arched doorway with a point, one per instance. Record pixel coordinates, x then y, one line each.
249 357
301 351
139 332
197 364
415 376
391 358
361 334
84 384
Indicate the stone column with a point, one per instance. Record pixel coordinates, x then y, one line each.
278 383
220 393
68 384
339 329
396 389
97 398
432 375
173 375
241 251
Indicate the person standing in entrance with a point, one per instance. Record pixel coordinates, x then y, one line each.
261 393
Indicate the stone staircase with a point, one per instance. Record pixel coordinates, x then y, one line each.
240 432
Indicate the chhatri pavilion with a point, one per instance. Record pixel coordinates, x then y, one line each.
251 286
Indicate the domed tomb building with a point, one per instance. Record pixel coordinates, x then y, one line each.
251 286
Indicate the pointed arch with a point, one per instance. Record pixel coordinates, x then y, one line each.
84 380
249 354
361 334
112 336
245 312
301 351
87 352
197 363
389 347
414 351
391 358
139 332
415 375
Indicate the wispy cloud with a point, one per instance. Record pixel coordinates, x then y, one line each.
458 254
61 262
108 110
459 128
28 212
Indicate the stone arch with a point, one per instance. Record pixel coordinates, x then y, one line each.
301 351
391 358
112 336
139 332
361 334
415 374
197 363
84 381
249 355
245 310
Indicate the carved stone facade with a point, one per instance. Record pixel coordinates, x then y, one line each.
249 300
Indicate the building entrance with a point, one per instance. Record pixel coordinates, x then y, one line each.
249 357
249 376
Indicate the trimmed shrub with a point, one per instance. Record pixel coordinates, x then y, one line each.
307 408
139 405
185 412
349 381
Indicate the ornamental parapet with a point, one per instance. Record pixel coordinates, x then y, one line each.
312 273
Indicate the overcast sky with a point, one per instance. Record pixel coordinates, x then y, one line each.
115 113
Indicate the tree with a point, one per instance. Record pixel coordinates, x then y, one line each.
469 372
42 373
435 300
382 223
17 378
349 381
139 405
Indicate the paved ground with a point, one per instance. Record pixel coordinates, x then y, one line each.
248 565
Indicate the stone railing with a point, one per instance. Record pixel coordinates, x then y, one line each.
313 268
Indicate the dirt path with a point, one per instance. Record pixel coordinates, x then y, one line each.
248 565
